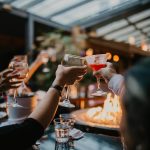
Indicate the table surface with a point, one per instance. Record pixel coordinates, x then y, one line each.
90 141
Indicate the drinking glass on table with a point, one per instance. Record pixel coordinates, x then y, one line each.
97 62
61 130
21 67
68 61
69 120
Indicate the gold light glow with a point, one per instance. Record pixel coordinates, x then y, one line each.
144 47
116 58
109 56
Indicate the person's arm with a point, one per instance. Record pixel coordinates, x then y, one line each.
45 111
24 135
36 64
20 136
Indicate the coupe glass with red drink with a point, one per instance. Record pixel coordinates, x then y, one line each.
97 62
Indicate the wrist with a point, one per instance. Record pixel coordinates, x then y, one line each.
58 82
58 88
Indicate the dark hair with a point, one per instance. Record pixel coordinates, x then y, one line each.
136 107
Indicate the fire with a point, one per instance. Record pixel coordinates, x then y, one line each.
109 114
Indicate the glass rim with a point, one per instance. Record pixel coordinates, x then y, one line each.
66 116
96 55
58 120
75 56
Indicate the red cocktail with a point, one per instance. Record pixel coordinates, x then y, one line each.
97 62
96 67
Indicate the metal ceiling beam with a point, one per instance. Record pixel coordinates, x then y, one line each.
50 23
13 11
115 15
39 19
29 33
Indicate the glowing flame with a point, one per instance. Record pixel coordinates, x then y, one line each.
110 114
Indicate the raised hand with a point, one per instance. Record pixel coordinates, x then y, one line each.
106 72
68 75
6 80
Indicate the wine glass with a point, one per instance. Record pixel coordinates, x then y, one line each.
97 62
21 67
70 60
45 61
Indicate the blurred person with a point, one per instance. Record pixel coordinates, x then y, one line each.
24 135
32 69
134 88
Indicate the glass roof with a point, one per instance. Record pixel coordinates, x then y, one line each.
70 12
22 4
91 13
88 11
136 26
111 27
49 7
139 16
118 33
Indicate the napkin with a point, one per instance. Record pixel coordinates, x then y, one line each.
76 134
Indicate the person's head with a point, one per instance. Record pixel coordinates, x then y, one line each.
135 124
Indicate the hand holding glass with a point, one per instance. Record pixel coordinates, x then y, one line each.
68 61
21 67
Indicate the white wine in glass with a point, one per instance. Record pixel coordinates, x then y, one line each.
21 67
68 61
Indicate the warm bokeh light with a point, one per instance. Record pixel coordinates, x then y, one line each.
89 52
116 58
131 40
109 56
144 47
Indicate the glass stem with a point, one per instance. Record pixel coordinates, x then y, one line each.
23 84
98 83
67 92
15 96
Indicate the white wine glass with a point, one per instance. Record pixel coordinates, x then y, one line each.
21 67
68 61
45 62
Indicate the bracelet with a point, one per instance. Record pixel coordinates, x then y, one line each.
58 88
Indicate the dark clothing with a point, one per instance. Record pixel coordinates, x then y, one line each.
20 136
